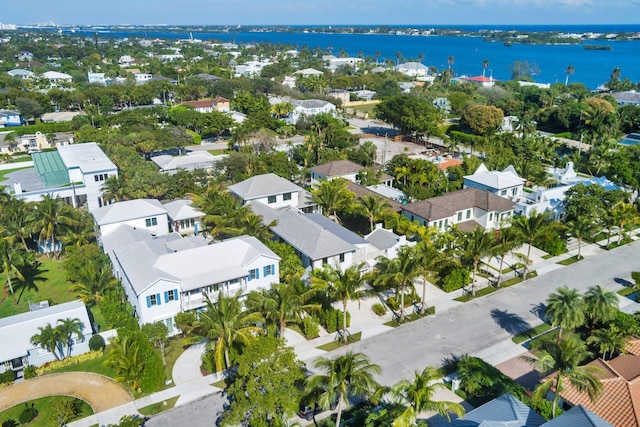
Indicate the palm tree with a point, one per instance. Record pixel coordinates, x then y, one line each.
332 195
125 357
16 220
565 308
398 272
67 327
227 325
281 304
485 65
94 279
48 215
403 172
506 241
79 230
340 286
10 262
535 228
345 376
564 358
373 207
609 340
429 259
569 71
48 339
417 396
580 229
601 305
625 214
473 247
450 61
114 188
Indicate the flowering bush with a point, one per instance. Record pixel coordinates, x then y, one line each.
69 361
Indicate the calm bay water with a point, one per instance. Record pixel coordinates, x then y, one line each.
592 67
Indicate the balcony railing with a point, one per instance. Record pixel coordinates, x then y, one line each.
190 302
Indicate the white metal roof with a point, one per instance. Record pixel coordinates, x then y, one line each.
88 157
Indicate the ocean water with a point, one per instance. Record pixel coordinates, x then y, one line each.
592 67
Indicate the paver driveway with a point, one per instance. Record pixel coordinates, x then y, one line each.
100 392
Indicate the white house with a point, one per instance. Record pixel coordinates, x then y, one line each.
275 192
309 108
183 217
413 69
333 63
148 214
98 78
194 160
506 183
385 243
55 77
467 209
337 169
17 351
142 78
75 173
308 72
10 118
21 73
166 275
250 68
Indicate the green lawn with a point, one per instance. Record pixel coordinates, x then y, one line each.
97 366
530 333
510 282
156 408
53 288
217 152
479 293
45 411
337 344
570 260
627 291
547 256
175 347
411 317
367 108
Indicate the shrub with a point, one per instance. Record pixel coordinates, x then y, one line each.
393 303
30 372
28 414
69 361
554 247
96 343
7 376
310 327
331 319
456 279
378 309
10 423
544 407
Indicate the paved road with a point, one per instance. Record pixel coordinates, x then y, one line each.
482 324
200 413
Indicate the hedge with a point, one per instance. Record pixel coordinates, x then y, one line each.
69 361
42 128
331 319
465 138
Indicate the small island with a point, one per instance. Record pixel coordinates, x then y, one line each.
596 47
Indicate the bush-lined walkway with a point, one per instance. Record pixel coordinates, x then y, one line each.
100 392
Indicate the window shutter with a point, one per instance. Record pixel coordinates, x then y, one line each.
166 297
148 302
158 299
257 273
273 269
175 295
264 271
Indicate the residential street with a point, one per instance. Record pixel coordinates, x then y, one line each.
480 326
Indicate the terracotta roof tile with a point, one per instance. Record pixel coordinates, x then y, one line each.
627 366
633 346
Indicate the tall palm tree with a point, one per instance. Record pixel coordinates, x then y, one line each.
564 358
125 357
48 339
429 259
398 273
601 305
281 304
79 230
48 215
94 279
506 242
373 207
450 60
580 229
344 376
609 340
417 396
565 308
485 65
67 327
473 247
569 71
340 285
625 214
10 262
114 189
16 220
332 195
227 325
535 228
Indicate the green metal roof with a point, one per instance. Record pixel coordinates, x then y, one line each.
51 169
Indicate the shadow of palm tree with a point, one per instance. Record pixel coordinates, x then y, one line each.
510 322
32 274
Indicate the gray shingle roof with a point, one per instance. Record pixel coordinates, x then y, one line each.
182 209
578 416
128 210
382 239
503 411
262 186
308 233
310 103
16 331
447 205
338 168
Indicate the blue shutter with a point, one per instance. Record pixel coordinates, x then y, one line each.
264 271
175 295
257 273
166 297
273 269
158 299
249 278
148 302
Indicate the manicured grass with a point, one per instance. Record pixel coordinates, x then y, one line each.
221 384
217 152
615 244
547 256
333 345
530 333
367 108
411 317
570 260
174 348
510 282
627 291
53 288
156 408
45 407
97 366
597 237
479 293
532 274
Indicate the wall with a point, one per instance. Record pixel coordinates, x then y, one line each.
161 229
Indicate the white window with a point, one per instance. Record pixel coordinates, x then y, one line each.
459 216
503 193
286 196
271 199
153 300
151 221
468 213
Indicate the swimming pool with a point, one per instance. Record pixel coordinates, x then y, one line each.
631 139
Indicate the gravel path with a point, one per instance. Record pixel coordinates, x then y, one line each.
100 392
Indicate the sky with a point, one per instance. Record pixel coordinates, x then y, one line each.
322 12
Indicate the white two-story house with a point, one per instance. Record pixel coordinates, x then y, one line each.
309 108
275 192
467 209
506 183
147 214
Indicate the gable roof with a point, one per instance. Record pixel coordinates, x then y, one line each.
503 411
309 72
182 209
382 238
308 233
578 416
445 206
411 66
337 168
496 179
264 185
310 103
128 210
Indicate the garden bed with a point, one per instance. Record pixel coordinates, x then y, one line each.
531 333
333 345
